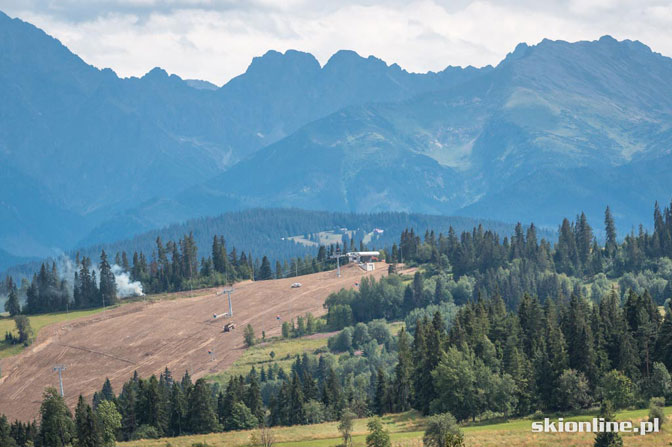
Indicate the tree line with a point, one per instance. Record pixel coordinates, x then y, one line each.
173 266
50 292
555 356
176 266
523 263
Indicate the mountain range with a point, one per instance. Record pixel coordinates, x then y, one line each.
87 157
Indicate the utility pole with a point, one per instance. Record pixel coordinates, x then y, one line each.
191 282
228 292
338 262
60 369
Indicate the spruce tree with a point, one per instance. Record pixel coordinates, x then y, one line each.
108 286
265 271
296 401
610 230
242 418
127 408
87 428
253 400
56 425
663 349
6 439
107 393
178 411
12 304
403 382
201 414
607 439
380 397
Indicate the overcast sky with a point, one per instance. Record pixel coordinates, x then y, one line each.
216 39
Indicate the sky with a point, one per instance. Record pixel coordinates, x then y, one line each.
216 40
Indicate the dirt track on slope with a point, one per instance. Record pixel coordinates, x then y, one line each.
147 337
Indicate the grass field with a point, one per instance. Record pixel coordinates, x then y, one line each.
260 355
37 322
284 349
407 429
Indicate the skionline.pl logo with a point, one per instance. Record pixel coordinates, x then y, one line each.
597 425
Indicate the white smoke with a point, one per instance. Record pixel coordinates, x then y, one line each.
125 287
66 270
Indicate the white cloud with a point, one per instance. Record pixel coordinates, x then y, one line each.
216 39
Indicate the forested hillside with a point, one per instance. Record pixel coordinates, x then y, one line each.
493 327
262 232
214 251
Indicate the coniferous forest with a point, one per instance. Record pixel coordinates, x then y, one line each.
173 266
492 328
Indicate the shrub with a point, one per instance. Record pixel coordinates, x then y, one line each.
573 390
377 437
443 431
617 388
145 432
657 409
242 418
341 342
345 426
248 335
660 383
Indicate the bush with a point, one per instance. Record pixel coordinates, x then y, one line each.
263 437
660 383
443 431
617 388
657 409
342 341
345 426
145 432
447 311
24 329
248 336
377 437
573 390
314 411
378 330
242 418
339 316
360 335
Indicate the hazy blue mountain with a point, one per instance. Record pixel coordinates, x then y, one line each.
199 84
93 145
554 129
87 157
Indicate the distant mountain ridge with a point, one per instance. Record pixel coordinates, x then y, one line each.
555 128
100 145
